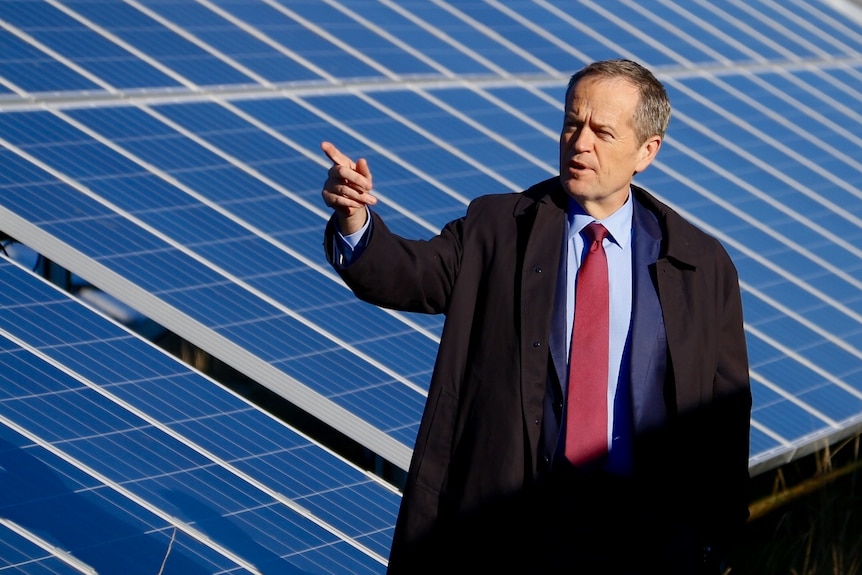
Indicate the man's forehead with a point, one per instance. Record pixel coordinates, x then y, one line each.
602 96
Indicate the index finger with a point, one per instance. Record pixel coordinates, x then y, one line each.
335 155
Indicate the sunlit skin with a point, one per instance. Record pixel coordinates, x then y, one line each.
599 148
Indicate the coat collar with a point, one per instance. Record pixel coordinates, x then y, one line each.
678 242
548 193
681 245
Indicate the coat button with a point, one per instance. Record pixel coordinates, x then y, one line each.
537 269
537 344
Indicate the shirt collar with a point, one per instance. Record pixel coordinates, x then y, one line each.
618 224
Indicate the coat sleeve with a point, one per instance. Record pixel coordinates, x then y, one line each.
403 274
732 413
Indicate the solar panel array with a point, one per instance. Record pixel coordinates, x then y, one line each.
117 457
167 151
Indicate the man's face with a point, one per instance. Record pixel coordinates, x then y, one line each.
599 149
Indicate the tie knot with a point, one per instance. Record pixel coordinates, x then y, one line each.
595 232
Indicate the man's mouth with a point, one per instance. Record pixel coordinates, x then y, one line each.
575 166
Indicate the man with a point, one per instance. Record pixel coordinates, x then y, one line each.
497 483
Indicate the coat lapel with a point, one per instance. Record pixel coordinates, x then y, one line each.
540 217
559 353
648 342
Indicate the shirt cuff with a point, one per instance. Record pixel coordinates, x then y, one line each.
346 249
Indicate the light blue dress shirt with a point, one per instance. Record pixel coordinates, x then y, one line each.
350 246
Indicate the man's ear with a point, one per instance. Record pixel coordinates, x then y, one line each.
648 152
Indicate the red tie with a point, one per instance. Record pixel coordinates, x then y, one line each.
587 419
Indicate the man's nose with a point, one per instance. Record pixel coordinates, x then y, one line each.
583 140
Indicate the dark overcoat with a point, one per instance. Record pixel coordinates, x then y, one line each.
479 495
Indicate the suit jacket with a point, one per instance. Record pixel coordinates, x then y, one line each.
479 492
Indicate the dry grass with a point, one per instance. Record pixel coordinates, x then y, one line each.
809 522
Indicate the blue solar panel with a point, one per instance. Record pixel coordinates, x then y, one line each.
82 46
185 235
33 71
154 36
208 199
136 449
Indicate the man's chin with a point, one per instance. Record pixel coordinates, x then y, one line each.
574 188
